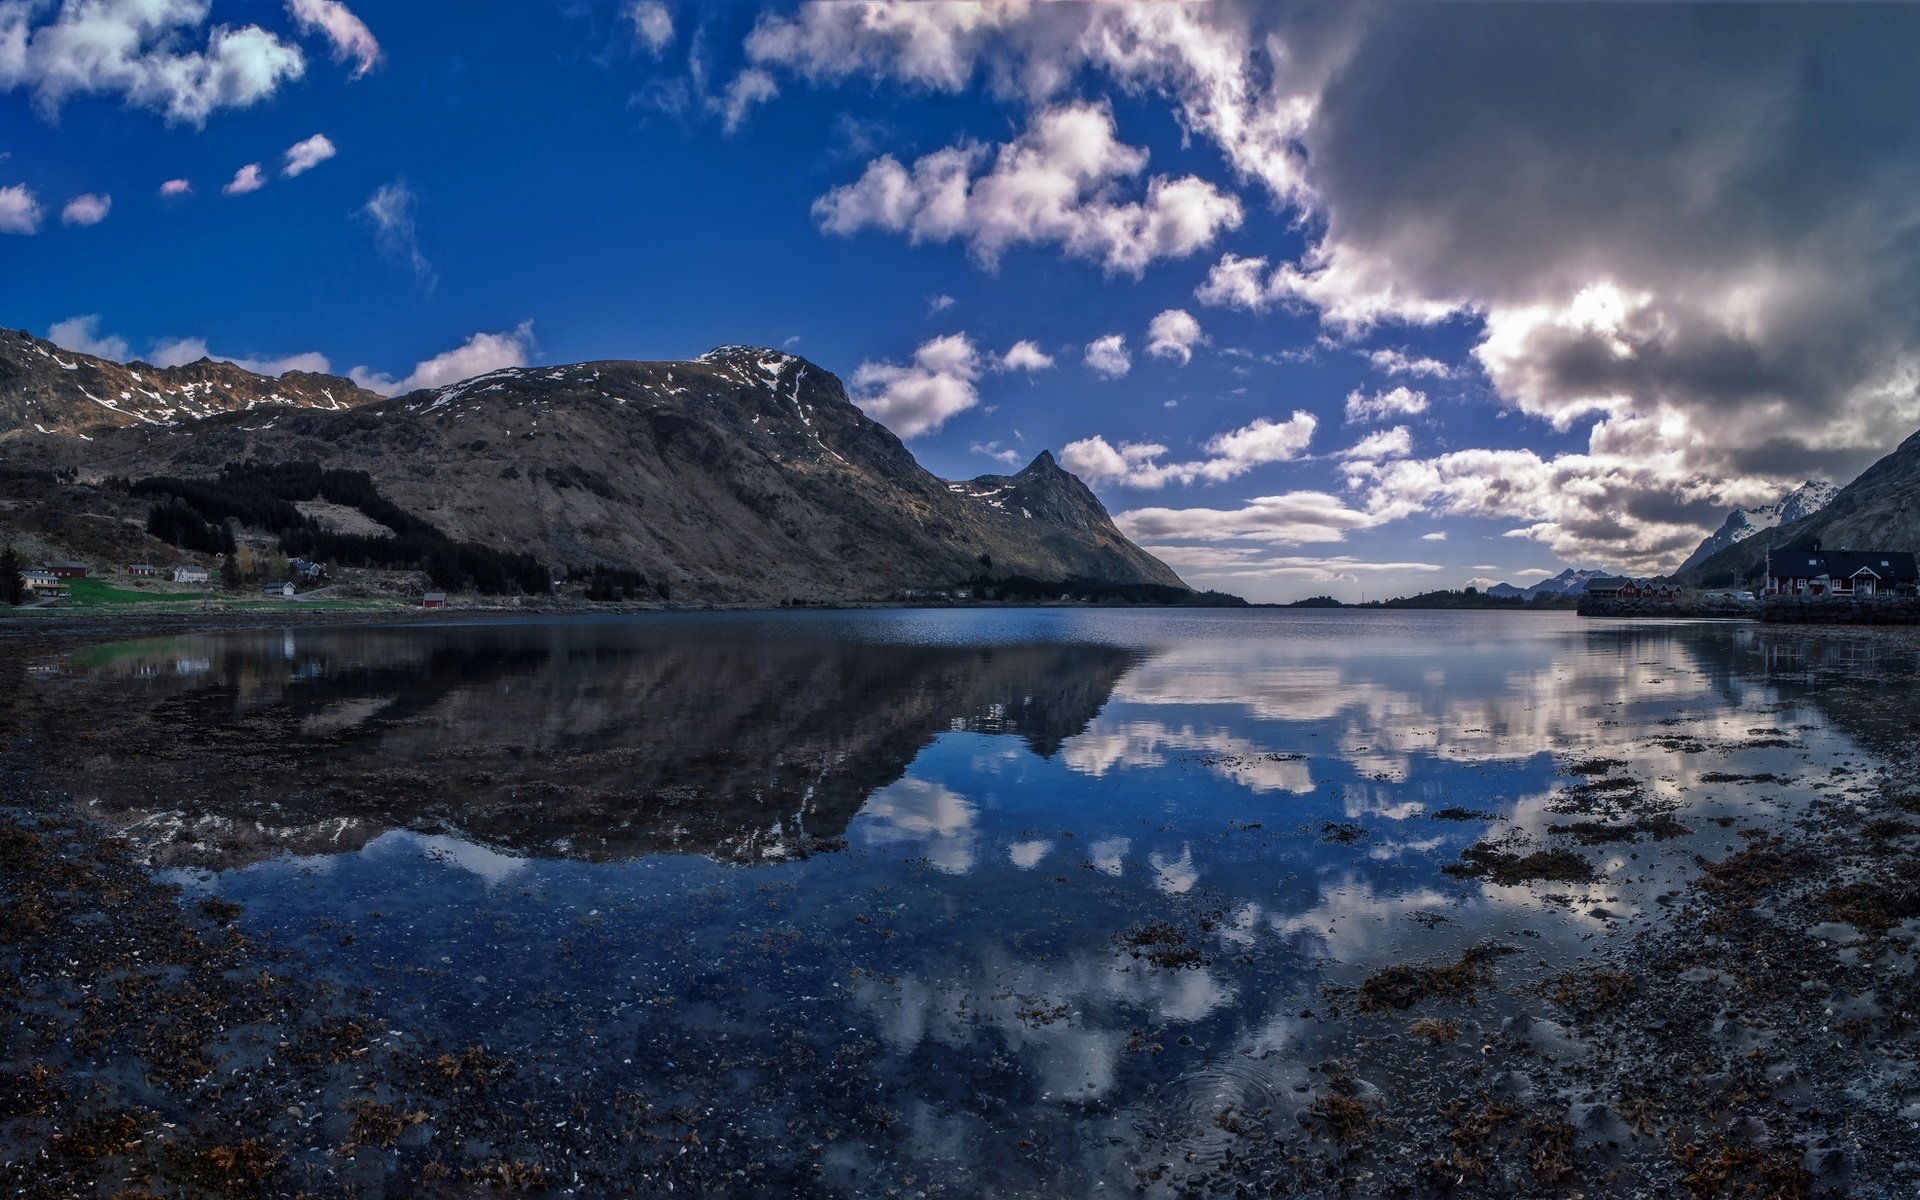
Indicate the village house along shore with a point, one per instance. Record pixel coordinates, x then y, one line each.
1804 585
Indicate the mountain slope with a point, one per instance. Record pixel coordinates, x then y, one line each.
746 474
47 390
1742 523
1878 511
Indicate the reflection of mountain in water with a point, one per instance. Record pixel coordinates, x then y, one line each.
592 742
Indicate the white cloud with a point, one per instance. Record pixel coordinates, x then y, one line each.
1024 355
477 355
1292 518
348 34
176 187
89 208
1107 356
82 335
1398 402
1438 536
306 155
176 352
994 450
939 303
1350 296
1054 184
921 396
1399 362
19 210
1231 455
247 179
1248 562
1535 573
391 211
652 25
133 49
1386 443
746 89
1173 334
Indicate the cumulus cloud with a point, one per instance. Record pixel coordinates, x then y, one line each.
922 395
390 210
1230 455
1107 356
349 36
1026 356
87 208
1387 443
19 210
1397 402
82 335
1173 334
134 49
176 187
1399 362
652 25
177 352
247 179
1056 183
939 303
477 355
304 156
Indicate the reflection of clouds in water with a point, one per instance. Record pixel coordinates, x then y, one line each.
1352 919
1370 799
1107 745
1062 1019
940 819
1109 855
1174 876
1027 855
1382 851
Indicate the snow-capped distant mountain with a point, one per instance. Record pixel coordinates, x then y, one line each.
1570 582
1742 523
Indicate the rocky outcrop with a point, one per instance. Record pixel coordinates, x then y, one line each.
49 392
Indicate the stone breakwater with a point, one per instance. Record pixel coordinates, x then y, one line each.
1683 608
1832 610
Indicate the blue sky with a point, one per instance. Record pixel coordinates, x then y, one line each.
1404 299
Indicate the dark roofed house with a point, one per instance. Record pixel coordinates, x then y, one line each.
1608 586
68 570
144 569
1807 570
434 600
280 589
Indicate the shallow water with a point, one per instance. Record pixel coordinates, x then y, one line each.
1015 901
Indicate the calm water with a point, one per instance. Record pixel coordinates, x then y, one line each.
863 893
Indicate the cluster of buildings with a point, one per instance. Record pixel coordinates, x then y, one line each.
55 576
1805 570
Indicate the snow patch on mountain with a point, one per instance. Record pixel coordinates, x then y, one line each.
1742 523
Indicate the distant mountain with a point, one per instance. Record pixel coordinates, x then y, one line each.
743 475
1742 523
46 390
1878 511
1570 582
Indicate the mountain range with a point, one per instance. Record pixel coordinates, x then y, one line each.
1570 582
1742 523
745 475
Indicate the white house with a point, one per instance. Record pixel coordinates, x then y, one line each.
188 573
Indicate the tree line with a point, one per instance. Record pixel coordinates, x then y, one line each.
199 514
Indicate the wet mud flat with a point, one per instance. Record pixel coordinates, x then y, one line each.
1753 1034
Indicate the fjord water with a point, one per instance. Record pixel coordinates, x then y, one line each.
1016 901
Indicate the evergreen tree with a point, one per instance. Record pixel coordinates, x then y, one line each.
13 589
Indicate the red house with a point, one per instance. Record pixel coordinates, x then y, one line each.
143 569
68 570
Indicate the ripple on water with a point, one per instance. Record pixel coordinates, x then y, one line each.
1208 1114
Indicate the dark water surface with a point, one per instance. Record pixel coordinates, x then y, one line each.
1007 902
